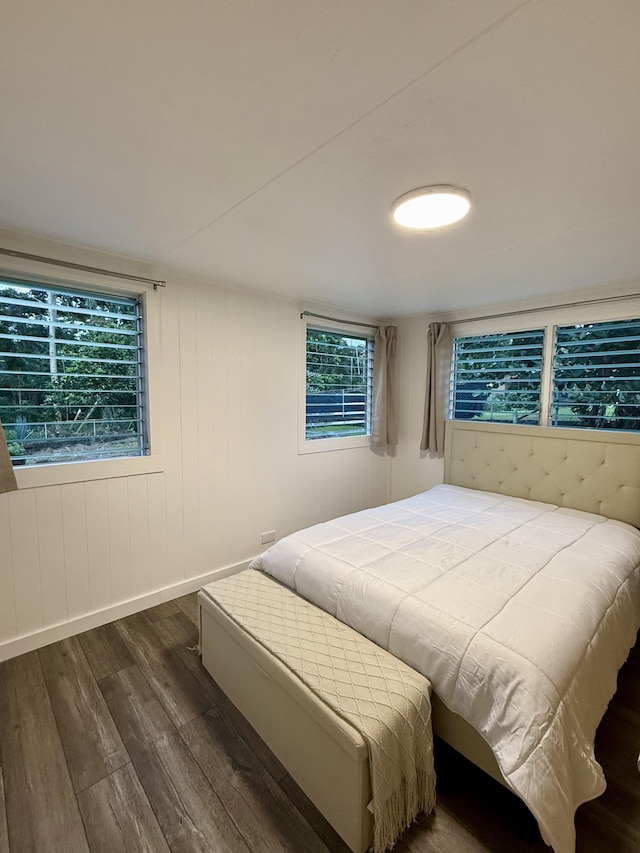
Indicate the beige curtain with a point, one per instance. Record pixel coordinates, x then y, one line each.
384 429
436 404
7 477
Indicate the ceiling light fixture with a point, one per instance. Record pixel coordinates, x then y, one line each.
431 207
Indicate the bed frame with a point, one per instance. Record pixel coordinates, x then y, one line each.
587 470
578 469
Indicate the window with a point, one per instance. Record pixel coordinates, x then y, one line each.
339 373
592 378
596 376
498 377
71 374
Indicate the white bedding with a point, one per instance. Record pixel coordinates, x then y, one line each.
518 612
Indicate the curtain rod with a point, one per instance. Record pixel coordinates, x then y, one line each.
98 270
336 320
580 302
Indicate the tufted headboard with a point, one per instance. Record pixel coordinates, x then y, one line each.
594 471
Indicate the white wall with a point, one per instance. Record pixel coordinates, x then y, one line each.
79 554
412 470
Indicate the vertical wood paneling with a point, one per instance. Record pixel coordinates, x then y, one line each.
8 627
137 500
227 436
26 560
172 431
286 465
205 331
98 543
120 551
220 436
349 501
51 546
256 339
235 428
76 555
160 572
274 374
188 396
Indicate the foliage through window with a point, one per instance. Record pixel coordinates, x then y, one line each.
339 372
498 377
596 376
71 374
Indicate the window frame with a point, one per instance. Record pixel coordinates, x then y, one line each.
549 319
323 445
61 473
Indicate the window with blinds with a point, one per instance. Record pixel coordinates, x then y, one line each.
71 374
339 380
498 377
596 376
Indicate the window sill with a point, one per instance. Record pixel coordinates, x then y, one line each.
34 476
322 445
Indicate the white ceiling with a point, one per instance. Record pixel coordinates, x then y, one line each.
262 142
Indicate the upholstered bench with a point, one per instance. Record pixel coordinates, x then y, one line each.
322 697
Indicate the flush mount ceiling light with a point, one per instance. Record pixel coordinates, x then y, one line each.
431 207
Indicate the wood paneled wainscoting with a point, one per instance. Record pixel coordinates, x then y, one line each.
118 740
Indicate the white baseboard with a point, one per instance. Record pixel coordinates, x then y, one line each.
53 633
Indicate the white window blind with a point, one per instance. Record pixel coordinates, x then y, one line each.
498 377
596 376
339 379
71 374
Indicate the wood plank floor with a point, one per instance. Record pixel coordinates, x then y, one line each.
118 740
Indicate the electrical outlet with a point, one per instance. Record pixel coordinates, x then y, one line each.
269 536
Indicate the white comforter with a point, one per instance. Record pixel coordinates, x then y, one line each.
518 612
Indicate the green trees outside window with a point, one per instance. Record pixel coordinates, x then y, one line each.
595 376
71 378
339 370
498 377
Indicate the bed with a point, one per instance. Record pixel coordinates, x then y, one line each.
539 524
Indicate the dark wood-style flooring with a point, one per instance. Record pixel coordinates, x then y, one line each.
118 740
